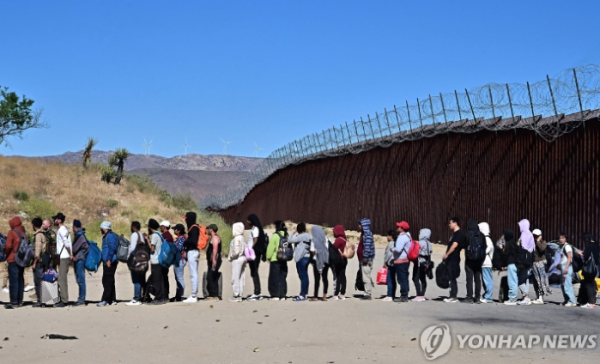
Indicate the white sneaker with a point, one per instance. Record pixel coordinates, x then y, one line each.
113 303
5 290
254 297
274 299
191 299
335 298
28 288
133 303
587 305
235 299
525 301
538 301
510 302
483 300
570 304
282 299
418 299
388 299
450 300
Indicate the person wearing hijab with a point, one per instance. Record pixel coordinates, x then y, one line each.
541 283
258 242
278 269
510 250
587 292
339 269
320 261
16 282
527 243
419 272
238 262
486 267
473 267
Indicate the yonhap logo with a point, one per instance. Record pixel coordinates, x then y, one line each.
436 341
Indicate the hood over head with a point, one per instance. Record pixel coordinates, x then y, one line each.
338 231
15 223
425 234
366 224
524 225
484 227
509 235
190 218
318 235
472 225
238 229
527 240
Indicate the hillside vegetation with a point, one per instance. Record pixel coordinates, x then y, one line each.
31 188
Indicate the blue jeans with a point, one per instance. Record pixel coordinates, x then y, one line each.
302 267
567 286
513 282
139 283
488 283
391 281
402 274
80 277
16 283
178 270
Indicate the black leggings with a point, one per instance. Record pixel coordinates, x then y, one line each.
340 278
108 283
419 278
254 272
319 276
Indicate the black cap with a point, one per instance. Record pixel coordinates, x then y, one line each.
180 228
213 227
60 216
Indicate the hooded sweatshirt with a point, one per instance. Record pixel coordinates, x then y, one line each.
322 250
489 245
303 244
191 242
366 239
340 239
425 243
13 240
527 240
237 245
402 247
274 246
510 246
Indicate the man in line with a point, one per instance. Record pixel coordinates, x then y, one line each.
193 254
38 267
137 278
213 257
474 263
165 226
452 257
368 254
110 244
156 278
15 272
80 251
63 250
401 263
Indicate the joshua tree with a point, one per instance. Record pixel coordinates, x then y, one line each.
118 160
108 173
87 151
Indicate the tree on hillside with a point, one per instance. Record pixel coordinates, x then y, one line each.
118 160
16 115
107 173
87 151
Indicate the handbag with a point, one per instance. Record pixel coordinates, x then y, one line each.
249 253
589 268
382 276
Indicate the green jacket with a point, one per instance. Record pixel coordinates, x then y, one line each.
273 246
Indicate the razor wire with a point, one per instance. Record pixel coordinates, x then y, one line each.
551 108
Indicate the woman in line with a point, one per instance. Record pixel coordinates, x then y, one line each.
486 267
566 267
302 253
340 268
278 269
258 242
587 292
419 269
542 287
16 281
238 262
179 266
388 262
320 261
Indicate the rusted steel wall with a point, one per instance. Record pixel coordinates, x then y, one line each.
499 177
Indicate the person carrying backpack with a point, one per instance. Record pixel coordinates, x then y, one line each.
213 260
566 266
587 292
452 257
16 283
339 269
137 278
257 241
80 251
62 258
474 257
302 254
38 266
528 244
388 263
401 262
419 267
110 244
192 253
238 262
368 254
278 269
320 261
156 277
541 284
486 267
179 231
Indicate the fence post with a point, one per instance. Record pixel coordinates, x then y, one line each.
512 112
349 134
336 138
431 105
387 121
379 123
356 130
420 118
398 120
458 105
492 101
530 100
409 119
552 96
444 111
578 95
325 140
471 105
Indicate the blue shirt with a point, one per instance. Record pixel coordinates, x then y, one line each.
110 244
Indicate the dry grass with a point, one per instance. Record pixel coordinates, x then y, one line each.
79 194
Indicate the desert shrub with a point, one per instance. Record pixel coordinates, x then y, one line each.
110 203
20 195
184 202
39 207
126 213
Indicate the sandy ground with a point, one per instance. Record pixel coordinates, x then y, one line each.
352 331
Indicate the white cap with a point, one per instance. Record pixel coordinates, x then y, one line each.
537 232
105 225
165 224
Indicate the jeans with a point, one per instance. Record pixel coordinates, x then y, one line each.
63 282
193 256
366 269
318 276
453 288
339 271
391 281
420 279
139 285
178 270
38 274
566 286
513 282
80 277
108 282
523 277
254 272
402 275
473 271
16 283
488 283
302 267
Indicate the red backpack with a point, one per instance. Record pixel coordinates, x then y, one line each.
413 253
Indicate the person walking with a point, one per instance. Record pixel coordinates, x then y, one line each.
137 278
238 262
541 284
339 269
473 266
320 261
156 277
257 241
192 254
452 257
401 263
420 267
65 256
388 263
527 243
38 267
588 288
278 269
566 254
302 254
368 254
486 267
110 244
16 283
180 263
213 257
81 247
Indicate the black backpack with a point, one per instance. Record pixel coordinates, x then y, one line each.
24 255
475 247
285 251
335 257
524 258
442 276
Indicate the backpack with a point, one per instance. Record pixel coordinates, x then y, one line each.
203 238
349 250
523 259
499 259
442 277
24 255
475 247
589 267
123 249
168 253
2 248
285 252
94 257
50 251
138 261
334 254
413 253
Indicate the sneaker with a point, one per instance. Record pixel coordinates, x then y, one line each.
570 304
299 299
254 297
282 299
133 303
402 300
510 302
78 304
468 300
5 290
388 299
341 297
36 305
100 304
525 302
451 300
113 303
587 305
60 305
157 302
538 301
211 299
335 298
191 299
366 298
235 299
274 299
483 300
28 288
418 299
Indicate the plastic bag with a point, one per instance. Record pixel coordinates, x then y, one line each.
382 276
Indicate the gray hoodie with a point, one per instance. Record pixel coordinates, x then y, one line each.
425 243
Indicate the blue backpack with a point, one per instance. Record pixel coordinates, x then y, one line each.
2 248
94 258
168 253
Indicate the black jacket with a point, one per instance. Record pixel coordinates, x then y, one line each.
191 242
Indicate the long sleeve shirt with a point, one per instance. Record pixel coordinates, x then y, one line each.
110 244
273 246
402 246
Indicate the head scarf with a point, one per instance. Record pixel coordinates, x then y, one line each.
320 242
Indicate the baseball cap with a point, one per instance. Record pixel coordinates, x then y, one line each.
166 224
403 224
537 232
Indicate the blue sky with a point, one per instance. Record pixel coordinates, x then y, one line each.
264 71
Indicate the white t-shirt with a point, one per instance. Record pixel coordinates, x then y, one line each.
156 241
563 253
135 239
254 233
63 239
